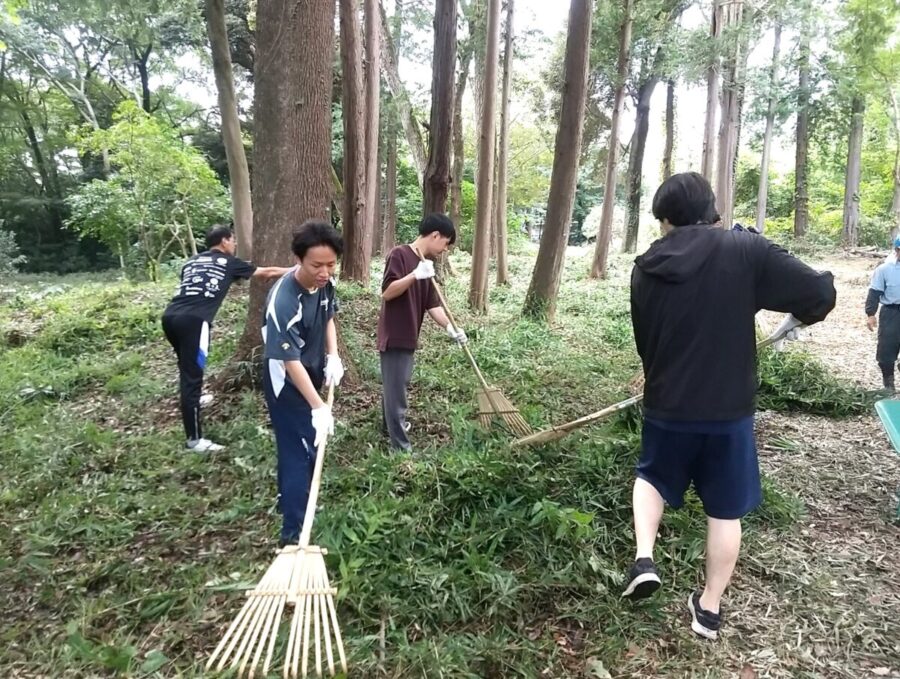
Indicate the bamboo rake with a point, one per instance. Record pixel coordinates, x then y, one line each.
297 577
491 401
562 430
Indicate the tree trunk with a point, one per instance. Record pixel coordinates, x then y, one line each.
503 155
478 287
712 97
357 248
540 301
850 233
378 221
459 159
372 125
895 119
670 130
238 172
443 71
390 197
762 198
140 63
292 143
728 129
636 163
478 33
391 72
604 234
801 169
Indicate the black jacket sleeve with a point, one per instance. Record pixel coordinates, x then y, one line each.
639 339
872 300
784 283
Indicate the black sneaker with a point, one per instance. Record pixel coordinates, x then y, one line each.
703 622
643 580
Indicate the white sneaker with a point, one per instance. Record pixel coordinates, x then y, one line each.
205 446
206 400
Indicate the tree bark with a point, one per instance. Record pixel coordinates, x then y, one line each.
801 169
540 301
465 59
762 198
443 71
895 119
391 72
604 234
712 96
636 163
850 233
503 153
141 60
390 197
478 287
378 221
728 129
372 125
238 172
292 136
670 130
357 247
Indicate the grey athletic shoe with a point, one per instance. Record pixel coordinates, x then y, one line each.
643 580
703 622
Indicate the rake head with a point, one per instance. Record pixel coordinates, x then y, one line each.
297 577
256 626
493 403
313 599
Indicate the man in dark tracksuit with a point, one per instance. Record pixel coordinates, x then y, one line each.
694 297
300 355
885 290
205 279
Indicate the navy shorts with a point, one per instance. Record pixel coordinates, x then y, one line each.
719 457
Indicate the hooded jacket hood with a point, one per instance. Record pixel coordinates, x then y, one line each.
678 255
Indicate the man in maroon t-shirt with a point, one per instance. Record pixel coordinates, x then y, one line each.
407 293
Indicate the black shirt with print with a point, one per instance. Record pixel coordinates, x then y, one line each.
205 279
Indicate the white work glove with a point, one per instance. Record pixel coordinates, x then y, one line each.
458 336
334 370
425 270
323 423
789 330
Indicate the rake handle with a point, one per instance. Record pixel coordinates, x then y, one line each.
563 429
316 482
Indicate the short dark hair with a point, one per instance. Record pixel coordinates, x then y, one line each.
685 199
216 234
439 222
311 234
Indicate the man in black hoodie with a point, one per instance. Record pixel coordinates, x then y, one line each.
694 298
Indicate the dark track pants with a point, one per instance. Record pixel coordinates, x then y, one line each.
888 340
189 337
294 437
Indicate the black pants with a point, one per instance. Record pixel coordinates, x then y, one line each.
189 337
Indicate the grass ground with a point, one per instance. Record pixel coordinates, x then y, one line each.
121 554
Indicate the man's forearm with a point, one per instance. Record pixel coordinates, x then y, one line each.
301 380
438 316
398 287
872 300
331 346
271 271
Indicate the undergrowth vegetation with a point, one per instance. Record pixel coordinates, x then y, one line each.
122 553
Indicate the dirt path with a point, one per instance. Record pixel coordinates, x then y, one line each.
830 605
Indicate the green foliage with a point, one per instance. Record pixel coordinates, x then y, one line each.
10 257
794 381
160 193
